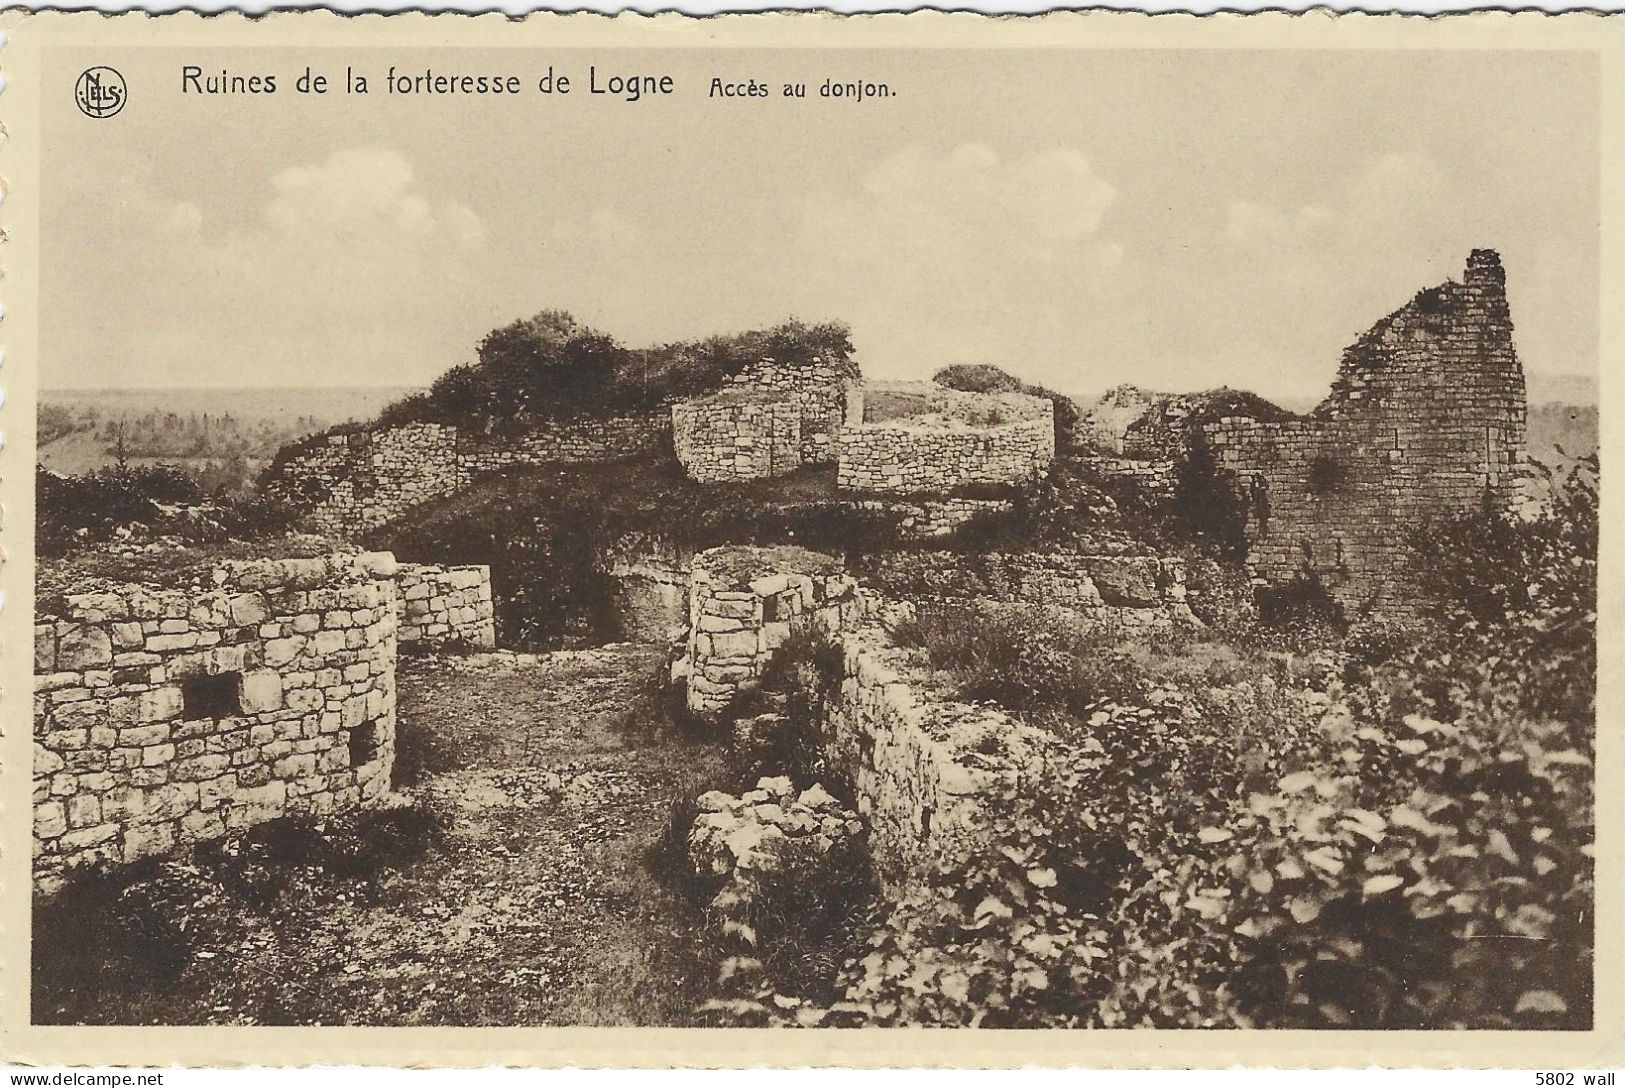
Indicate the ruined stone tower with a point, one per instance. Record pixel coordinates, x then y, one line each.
1426 418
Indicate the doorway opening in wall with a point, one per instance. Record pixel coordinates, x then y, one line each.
216 696
770 609
363 744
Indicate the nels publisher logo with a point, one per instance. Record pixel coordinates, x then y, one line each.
100 91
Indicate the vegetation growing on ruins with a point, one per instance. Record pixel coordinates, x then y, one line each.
72 511
550 366
1295 815
544 533
987 378
1369 838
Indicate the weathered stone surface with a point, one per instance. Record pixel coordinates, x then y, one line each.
965 438
83 647
1427 418
119 775
261 691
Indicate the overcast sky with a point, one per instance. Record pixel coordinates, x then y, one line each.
1179 220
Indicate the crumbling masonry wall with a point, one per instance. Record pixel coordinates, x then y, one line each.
967 438
356 481
925 770
743 603
737 436
445 606
1426 418
164 717
1132 592
583 440
825 394
362 479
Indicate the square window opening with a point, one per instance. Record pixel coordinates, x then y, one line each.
217 696
363 744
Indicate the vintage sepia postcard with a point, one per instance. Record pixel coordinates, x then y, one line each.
712 542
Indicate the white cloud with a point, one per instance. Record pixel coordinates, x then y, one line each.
967 199
361 191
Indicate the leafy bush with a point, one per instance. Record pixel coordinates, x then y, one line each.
91 506
161 500
1406 844
1523 592
785 932
1028 659
1302 605
550 366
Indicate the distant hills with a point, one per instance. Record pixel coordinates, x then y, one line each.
223 436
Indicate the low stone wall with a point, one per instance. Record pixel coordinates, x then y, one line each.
358 481
363 479
1133 591
967 438
445 606
164 717
924 769
737 436
743 603
566 442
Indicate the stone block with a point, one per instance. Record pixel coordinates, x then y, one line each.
281 651
50 820
84 810
81 646
728 644
261 691
146 840
163 643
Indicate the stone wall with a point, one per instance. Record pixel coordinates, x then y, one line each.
924 769
1151 476
566 442
967 438
826 395
164 717
1131 591
737 435
1426 418
363 479
445 606
1105 424
743 603
358 481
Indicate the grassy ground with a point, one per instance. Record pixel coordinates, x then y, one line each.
536 906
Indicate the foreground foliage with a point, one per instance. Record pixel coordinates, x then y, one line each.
1397 834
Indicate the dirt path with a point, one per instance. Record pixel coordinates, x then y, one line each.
538 909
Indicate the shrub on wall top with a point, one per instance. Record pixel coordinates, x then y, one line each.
550 366
987 378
